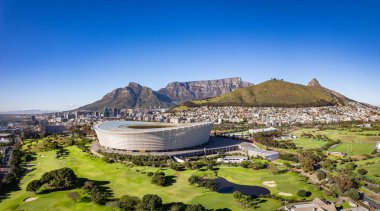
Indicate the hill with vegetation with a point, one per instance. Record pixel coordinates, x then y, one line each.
275 93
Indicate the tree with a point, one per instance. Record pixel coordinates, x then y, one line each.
210 165
158 178
327 164
177 206
63 178
96 196
237 195
33 186
303 193
259 165
343 181
362 171
197 207
321 175
75 196
176 166
151 202
88 186
307 160
350 166
129 202
273 169
353 194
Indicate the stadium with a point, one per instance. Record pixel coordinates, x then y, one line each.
151 136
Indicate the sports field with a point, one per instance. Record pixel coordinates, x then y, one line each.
353 143
122 180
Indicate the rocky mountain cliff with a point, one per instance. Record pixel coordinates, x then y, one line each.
136 96
315 83
180 92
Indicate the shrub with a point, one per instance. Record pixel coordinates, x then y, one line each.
303 193
353 194
197 207
158 178
362 171
321 175
151 202
129 202
74 196
33 186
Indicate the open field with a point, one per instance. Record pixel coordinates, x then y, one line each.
308 143
353 143
124 180
372 166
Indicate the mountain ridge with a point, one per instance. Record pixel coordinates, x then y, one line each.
136 96
276 93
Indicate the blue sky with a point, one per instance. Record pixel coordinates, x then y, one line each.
61 54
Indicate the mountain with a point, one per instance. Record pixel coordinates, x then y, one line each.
180 92
276 93
132 96
26 112
137 96
315 83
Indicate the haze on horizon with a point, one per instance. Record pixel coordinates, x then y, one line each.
59 55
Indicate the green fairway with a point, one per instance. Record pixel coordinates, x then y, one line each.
372 166
308 143
124 180
353 143
258 177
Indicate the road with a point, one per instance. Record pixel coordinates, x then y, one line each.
5 163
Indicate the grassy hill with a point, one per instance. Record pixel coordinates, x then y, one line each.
273 93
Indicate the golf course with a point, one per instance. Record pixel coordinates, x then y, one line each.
353 143
125 179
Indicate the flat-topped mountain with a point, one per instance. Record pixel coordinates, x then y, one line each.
276 93
136 96
180 92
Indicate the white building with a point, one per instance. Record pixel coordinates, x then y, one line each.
151 137
232 159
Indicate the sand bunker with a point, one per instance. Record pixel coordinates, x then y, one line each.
30 199
285 194
270 184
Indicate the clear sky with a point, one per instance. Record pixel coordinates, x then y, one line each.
60 54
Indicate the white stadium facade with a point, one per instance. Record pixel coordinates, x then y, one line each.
151 136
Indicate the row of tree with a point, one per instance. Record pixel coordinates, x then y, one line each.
17 169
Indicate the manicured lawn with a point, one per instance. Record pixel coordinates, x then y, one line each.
308 143
353 143
286 183
372 166
123 180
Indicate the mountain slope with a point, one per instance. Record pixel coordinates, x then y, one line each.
274 93
132 96
180 92
137 96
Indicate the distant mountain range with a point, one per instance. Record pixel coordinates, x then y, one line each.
24 112
276 93
136 96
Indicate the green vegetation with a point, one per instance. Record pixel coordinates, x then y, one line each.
121 179
352 143
273 93
309 143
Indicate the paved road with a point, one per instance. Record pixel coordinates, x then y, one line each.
5 164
